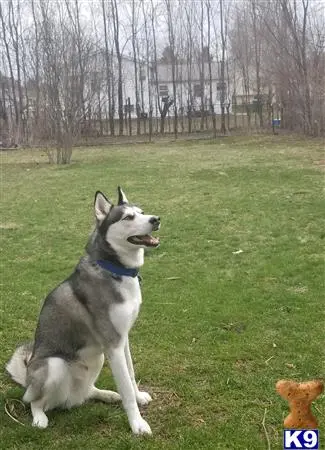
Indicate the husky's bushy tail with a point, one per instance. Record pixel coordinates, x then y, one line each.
17 366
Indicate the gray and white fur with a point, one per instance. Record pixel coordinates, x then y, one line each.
88 317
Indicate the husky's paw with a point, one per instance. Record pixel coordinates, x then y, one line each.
143 398
40 421
110 396
140 426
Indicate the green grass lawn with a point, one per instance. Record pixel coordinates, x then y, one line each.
218 327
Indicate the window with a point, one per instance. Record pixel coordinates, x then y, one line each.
163 90
142 74
221 86
221 90
128 108
197 90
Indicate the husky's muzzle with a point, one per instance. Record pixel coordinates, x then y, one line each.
147 240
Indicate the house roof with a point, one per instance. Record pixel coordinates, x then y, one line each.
186 73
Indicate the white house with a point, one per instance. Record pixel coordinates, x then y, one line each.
189 81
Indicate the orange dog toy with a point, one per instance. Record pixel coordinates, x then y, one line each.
300 396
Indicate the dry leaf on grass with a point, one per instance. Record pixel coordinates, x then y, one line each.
290 366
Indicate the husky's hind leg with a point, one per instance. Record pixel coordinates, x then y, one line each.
40 419
103 395
94 364
48 387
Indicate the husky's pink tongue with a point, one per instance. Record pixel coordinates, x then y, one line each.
146 239
149 240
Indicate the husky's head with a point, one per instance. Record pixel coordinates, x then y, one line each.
124 228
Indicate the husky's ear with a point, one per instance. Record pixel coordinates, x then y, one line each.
121 196
102 206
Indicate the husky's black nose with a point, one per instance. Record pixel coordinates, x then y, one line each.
155 221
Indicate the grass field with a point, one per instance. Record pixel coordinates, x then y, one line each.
233 299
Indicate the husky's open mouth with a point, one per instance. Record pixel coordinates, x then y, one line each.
147 240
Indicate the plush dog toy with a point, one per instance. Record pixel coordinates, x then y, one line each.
300 396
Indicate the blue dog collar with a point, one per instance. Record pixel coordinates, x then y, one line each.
117 270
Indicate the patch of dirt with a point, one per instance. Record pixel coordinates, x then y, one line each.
241 364
9 226
200 416
244 365
234 327
320 163
198 422
298 289
164 398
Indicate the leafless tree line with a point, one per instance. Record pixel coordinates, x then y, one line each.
279 46
111 67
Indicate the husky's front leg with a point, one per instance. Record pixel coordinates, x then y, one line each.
125 388
143 398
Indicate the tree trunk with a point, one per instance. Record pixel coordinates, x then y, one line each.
15 40
119 64
155 63
214 124
37 68
135 65
171 36
11 72
148 71
222 70
257 49
202 74
108 73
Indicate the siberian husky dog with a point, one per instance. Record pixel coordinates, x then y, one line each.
88 317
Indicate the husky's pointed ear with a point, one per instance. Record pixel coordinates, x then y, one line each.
102 206
121 196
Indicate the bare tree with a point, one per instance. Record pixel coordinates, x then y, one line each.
163 107
288 39
108 67
116 27
241 47
189 27
257 49
5 20
214 123
15 40
148 65
36 64
172 45
299 36
135 64
62 79
74 16
203 58
222 68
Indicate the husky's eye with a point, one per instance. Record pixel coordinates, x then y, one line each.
129 217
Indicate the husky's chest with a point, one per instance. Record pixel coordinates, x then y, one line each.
124 313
